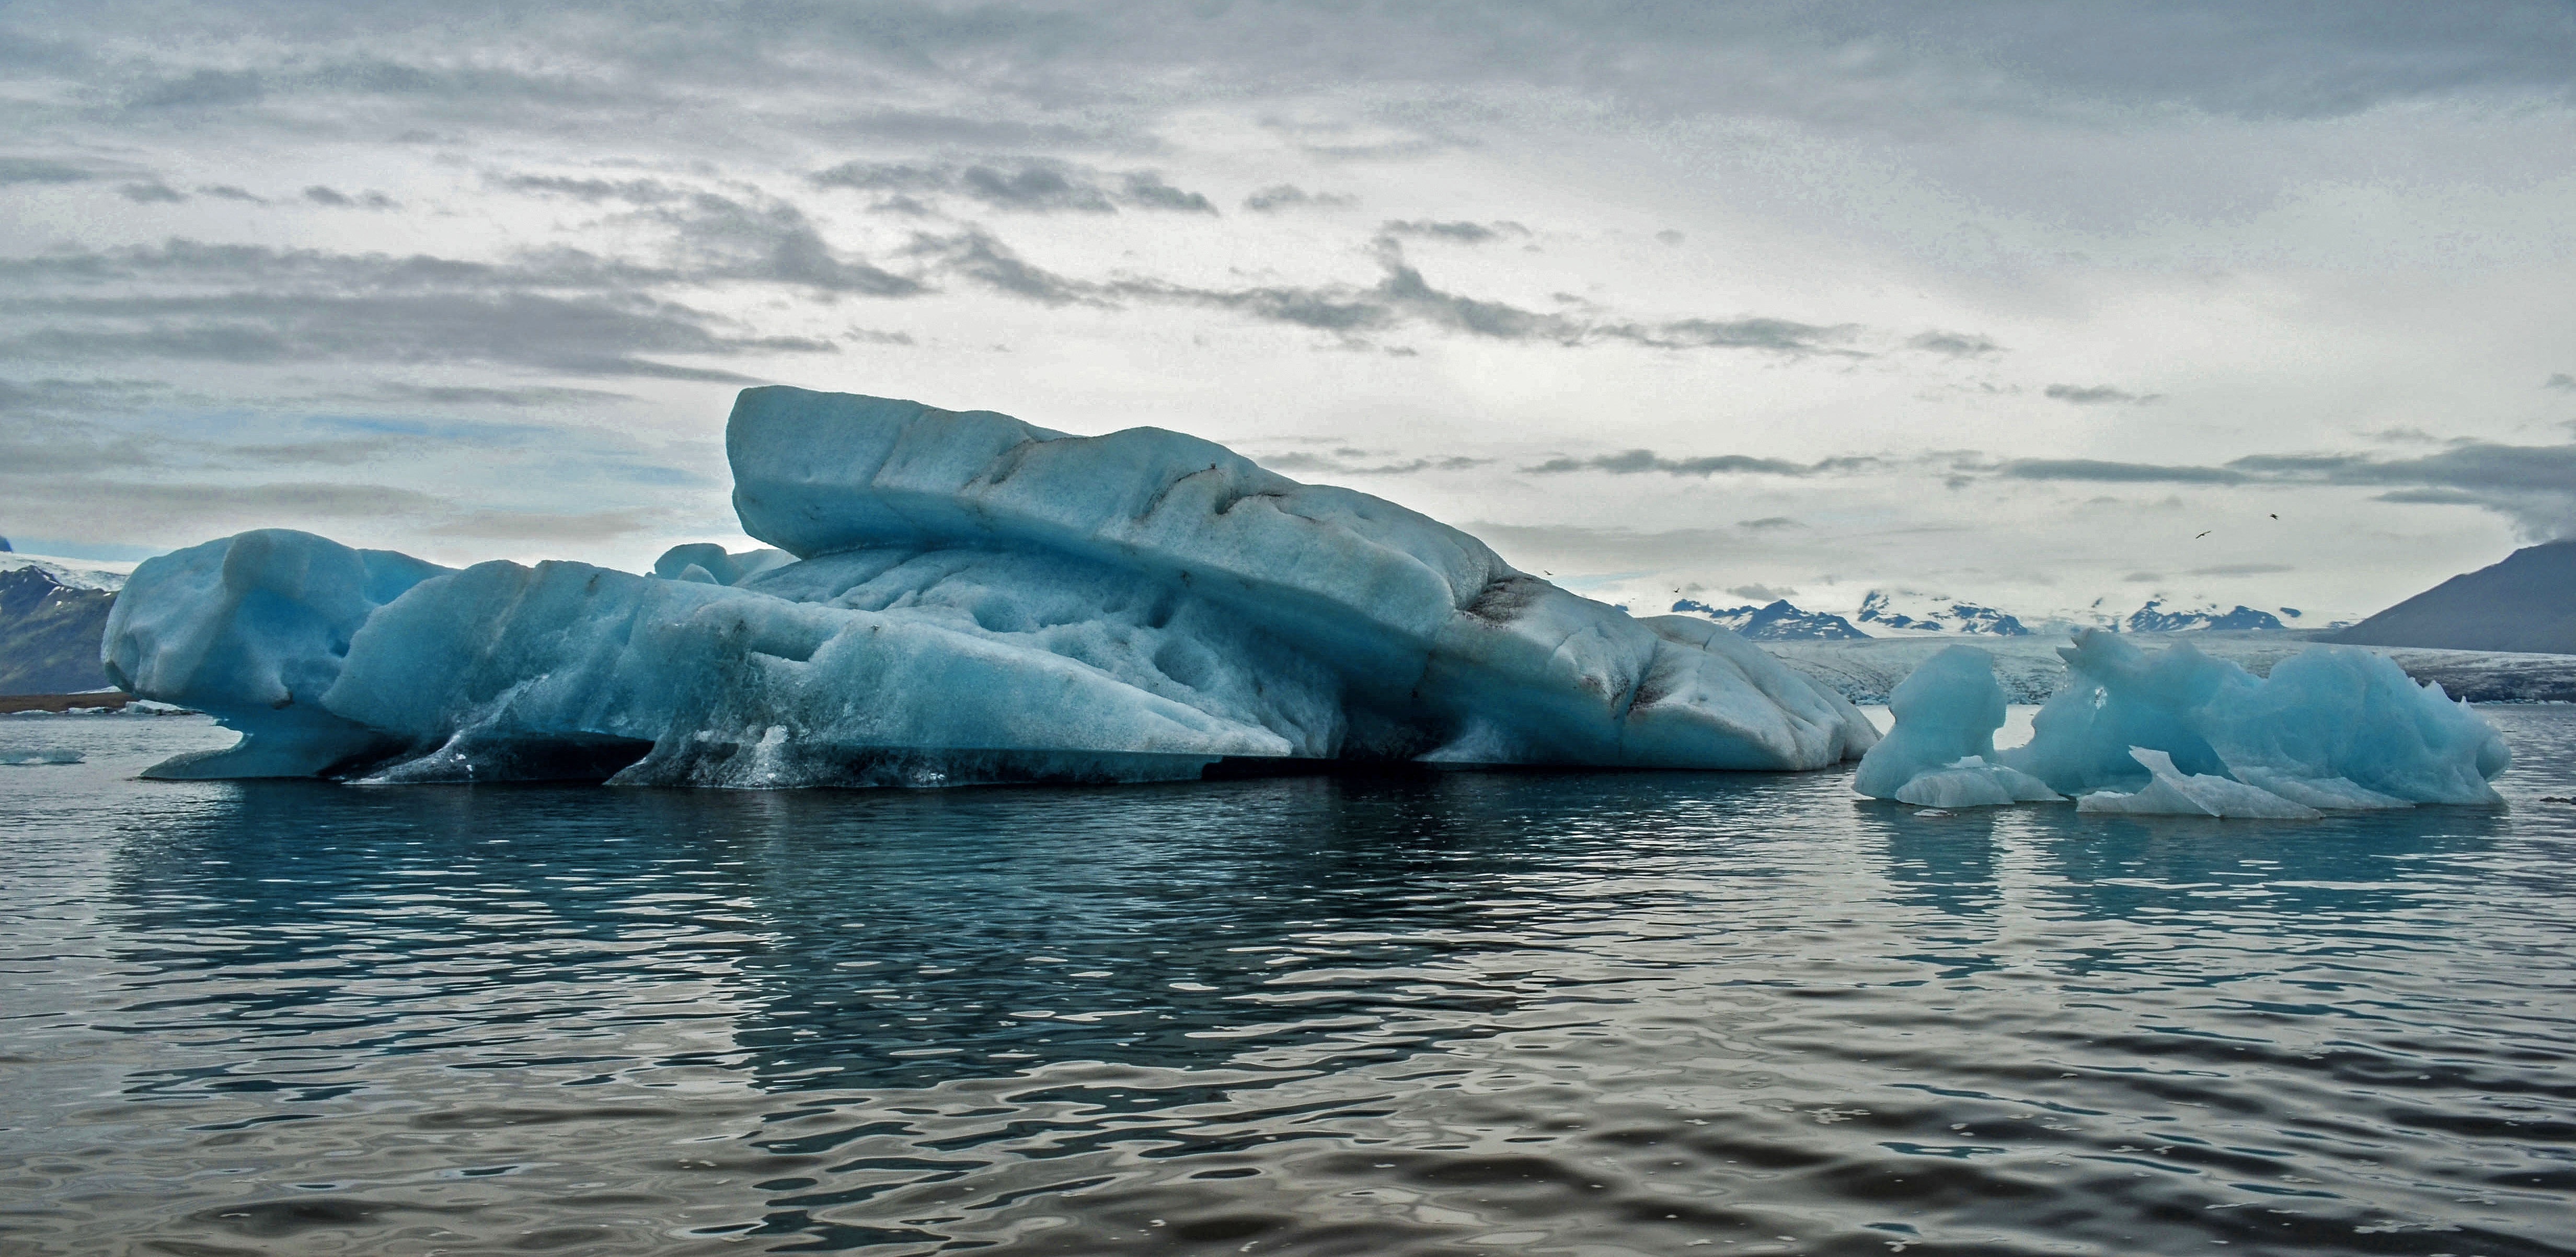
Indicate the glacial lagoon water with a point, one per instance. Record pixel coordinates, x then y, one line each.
1595 1013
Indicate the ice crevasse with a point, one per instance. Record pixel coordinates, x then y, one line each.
953 598
2175 732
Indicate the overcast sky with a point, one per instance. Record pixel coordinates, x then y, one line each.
2005 301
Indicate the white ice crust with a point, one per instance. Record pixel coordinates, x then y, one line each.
955 598
2333 728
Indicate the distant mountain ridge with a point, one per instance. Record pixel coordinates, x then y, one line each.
2153 618
1776 622
1880 607
2525 603
1900 614
49 634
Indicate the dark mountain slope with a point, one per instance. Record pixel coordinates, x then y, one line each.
2527 603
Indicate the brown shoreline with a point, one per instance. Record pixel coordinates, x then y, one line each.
11 704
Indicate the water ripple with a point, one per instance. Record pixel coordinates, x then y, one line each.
1568 1013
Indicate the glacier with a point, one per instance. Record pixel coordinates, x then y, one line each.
952 598
2332 728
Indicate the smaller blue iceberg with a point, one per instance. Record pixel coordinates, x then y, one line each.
2175 732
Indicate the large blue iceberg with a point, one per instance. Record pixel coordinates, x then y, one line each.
955 598
2175 732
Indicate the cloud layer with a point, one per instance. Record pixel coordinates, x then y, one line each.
1767 296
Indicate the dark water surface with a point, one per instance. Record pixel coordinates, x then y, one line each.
1584 1013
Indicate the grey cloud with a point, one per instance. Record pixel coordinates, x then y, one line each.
18 170
1632 462
321 194
468 395
340 452
228 192
200 89
1342 466
1281 196
774 241
1768 523
916 127
1538 547
1401 296
162 513
1954 344
577 336
2410 436
2562 381
1457 232
1762 593
1672 237
1777 335
636 191
2094 469
1039 189
2534 485
150 193
2243 569
1835 66
46 448
564 527
55 395
2098 395
181 260
1147 188
2432 497
1027 185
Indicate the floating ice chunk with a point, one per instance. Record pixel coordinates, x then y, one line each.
1946 710
964 597
252 629
2118 696
1942 751
39 755
2171 793
2326 715
2332 729
1972 782
2343 713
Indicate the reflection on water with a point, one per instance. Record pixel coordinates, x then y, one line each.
1547 1012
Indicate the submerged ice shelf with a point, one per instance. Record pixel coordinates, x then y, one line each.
954 598
2175 732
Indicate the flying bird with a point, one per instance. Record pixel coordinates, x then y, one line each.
2202 533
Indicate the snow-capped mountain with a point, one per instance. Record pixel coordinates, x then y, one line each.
1903 612
1776 622
49 632
2155 617
1905 615
68 573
